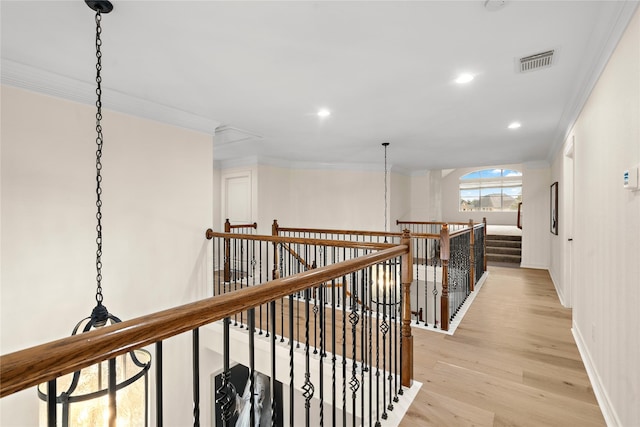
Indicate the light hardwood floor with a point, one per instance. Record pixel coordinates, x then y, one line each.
511 362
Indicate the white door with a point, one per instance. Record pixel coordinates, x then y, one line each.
236 188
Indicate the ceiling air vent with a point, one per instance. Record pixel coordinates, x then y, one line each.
537 61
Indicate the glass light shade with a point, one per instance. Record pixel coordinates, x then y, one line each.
88 403
384 280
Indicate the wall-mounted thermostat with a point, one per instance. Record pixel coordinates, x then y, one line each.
631 178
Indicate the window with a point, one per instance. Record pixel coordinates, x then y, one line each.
491 190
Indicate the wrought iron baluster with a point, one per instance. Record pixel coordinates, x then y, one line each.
377 346
291 340
159 392
396 308
354 317
272 382
369 330
322 354
333 350
436 264
226 394
363 344
113 407
344 351
251 326
52 393
196 377
384 328
308 386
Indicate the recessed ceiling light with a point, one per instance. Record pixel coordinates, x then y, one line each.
514 125
464 78
324 113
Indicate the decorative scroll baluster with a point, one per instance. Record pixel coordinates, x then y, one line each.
354 317
226 394
363 344
384 328
308 386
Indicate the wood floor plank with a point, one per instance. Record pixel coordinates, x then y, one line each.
511 362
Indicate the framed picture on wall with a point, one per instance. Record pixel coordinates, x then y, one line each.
554 208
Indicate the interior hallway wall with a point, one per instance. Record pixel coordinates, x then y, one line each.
607 233
157 205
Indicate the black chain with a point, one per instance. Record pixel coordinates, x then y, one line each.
99 142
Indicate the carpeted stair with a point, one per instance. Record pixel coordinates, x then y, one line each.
502 248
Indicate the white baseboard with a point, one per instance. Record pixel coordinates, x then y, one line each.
608 412
558 291
534 266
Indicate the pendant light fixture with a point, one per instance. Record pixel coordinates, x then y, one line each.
383 276
113 392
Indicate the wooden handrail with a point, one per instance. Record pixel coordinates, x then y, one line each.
228 226
345 232
398 222
35 365
319 242
276 229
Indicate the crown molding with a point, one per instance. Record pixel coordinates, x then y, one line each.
604 51
288 164
40 81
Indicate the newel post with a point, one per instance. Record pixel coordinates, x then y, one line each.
227 252
274 232
472 265
484 245
444 257
407 337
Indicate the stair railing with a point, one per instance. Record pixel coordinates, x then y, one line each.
234 228
352 380
430 287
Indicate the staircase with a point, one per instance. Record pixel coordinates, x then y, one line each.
504 248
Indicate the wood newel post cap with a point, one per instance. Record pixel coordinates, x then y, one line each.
406 233
209 234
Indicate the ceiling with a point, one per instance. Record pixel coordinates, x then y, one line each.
260 71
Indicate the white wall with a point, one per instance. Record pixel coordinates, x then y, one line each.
399 199
320 198
157 205
607 233
536 226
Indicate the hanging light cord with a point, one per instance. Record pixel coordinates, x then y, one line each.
385 144
99 142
